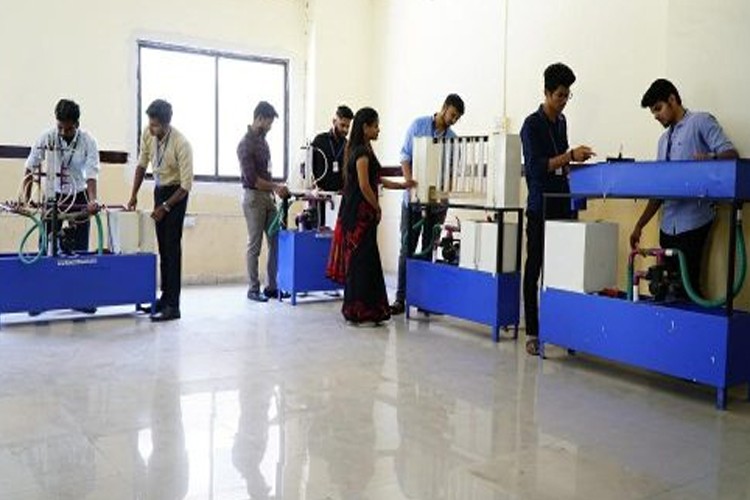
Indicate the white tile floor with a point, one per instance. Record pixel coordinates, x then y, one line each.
241 400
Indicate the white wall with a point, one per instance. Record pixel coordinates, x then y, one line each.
426 49
339 70
86 49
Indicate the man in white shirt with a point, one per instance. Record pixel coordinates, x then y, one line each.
77 157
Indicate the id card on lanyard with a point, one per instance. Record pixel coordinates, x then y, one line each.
336 154
67 179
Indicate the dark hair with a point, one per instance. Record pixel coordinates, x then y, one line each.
161 111
365 116
67 111
660 90
558 75
345 112
264 110
454 100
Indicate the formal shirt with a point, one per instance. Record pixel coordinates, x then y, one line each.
80 157
170 158
695 133
332 146
543 139
421 127
255 159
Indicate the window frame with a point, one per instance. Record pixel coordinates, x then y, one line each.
217 55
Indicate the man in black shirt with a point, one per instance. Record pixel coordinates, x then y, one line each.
328 156
547 161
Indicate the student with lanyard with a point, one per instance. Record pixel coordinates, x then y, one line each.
79 164
171 157
690 135
78 157
329 152
547 161
437 125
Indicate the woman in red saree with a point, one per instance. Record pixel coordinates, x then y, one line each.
355 258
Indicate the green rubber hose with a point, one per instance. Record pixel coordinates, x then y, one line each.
631 272
416 226
99 235
739 280
436 229
38 226
428 249
275 225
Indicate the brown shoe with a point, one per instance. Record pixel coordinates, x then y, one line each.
397 307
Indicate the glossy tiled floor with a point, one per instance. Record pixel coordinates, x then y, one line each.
241 400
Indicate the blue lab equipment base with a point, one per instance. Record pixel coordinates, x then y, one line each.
492 299
707 346
79 282
478 296
699 345
303 257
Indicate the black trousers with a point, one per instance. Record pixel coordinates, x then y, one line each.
693 245
532 271
169 238
78 234
321 206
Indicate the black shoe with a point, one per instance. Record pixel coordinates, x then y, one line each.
168 313
397 307
86 310
34 314
256 296
274 294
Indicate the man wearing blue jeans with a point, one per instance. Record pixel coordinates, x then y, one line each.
690 135
437 125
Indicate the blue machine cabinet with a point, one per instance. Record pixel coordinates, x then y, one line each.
303 256
491 299
707 346
83 281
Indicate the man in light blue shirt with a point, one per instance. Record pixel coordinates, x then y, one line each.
690 135
437 125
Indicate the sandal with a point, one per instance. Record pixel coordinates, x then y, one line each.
532 347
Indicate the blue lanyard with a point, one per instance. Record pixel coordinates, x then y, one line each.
336 155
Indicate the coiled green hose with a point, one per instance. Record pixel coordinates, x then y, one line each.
38 226
739 279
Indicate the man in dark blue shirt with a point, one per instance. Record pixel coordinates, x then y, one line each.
547 161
